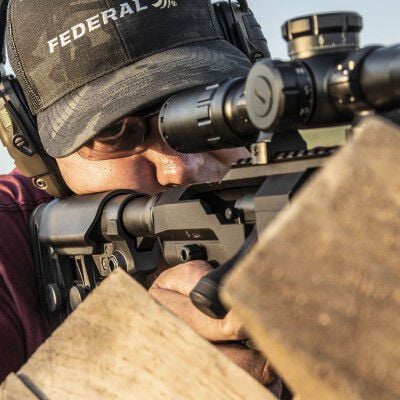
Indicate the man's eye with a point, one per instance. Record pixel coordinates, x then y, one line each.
113 132
122 139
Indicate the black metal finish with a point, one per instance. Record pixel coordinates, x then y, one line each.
325 33
76 295
192 252
328 82
217 115
3 23
241 28
72 258
205 295
54 298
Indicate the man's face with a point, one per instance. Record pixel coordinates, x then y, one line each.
154 168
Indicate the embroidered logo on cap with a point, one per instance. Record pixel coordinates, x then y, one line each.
165 3
101 19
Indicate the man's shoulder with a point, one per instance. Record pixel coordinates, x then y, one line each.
19 311
18 199
17 193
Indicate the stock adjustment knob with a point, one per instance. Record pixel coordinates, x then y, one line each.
53 297
76 295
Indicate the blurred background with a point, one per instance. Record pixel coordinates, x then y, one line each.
380 21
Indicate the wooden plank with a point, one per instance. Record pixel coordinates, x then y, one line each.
14 389
321 292
121 344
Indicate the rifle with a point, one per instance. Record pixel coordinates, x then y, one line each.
79 240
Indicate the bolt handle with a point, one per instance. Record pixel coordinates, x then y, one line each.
205 295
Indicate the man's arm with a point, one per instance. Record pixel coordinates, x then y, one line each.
12 343
22 329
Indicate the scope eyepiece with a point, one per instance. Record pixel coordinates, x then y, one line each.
207 118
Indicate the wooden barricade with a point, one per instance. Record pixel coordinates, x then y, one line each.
13 388
121 344
321 292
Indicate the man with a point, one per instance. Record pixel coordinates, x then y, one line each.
95 73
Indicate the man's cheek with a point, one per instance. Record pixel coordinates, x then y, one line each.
84 177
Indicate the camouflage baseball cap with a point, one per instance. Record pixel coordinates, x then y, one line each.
85 64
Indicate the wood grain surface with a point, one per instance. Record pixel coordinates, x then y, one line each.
121 344
321 291
14 389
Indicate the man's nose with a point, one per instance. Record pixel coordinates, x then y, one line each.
173 168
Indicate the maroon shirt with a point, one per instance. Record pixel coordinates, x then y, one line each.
22 329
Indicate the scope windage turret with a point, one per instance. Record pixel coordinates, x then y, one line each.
328 81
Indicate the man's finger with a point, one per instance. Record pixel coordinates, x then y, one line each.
254 363
182 278
228 329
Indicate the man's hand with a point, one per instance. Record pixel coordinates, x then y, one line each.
172 289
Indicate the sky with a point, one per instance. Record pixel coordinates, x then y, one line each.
380 21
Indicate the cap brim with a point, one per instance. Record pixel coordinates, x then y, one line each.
76 118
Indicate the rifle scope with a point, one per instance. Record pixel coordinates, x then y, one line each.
328 81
